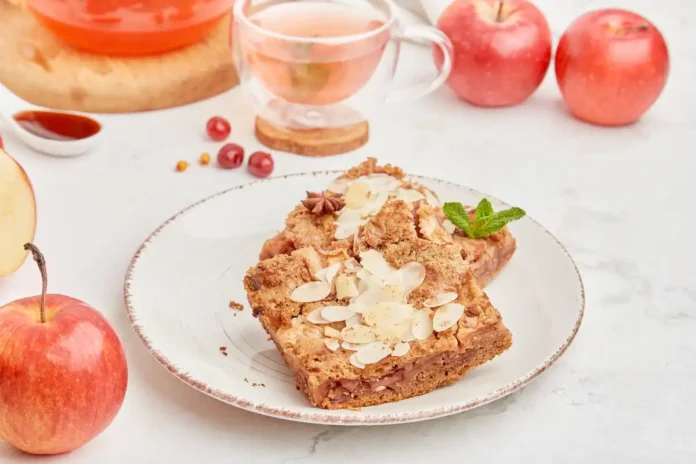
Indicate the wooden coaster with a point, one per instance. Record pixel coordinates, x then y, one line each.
312 142
42 70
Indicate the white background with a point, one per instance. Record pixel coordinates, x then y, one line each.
622 201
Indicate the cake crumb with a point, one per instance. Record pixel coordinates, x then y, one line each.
236 306
246 380
258 385
223 350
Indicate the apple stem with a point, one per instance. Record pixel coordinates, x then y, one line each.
41 261
624 30
499 15
640 27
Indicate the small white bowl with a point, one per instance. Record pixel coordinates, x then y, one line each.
54 147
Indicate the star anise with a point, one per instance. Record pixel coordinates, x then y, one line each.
321 203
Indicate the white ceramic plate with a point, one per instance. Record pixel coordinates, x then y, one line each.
180 282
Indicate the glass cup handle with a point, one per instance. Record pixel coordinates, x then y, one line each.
422 33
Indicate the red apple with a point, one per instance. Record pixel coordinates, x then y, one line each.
63 373
502 50
17 214
611 66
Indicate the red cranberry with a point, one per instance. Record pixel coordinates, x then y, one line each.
260 164
218 128
230 156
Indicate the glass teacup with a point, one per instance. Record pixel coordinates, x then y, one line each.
324 63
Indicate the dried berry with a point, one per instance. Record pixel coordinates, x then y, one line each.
261 164
218 128
230 156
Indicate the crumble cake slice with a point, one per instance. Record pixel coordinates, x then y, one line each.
364 189
383 317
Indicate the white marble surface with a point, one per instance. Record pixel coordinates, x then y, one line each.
622 201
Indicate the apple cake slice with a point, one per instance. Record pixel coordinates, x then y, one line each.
379 317
329 219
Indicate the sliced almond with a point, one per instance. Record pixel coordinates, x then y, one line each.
400 349
345 230
331 271
336 313
350 346
406 312
409 195
422 325
315 317
321 275
375 204
339 185
347 223
407 334
373 352
357 195
380 388
393 292
447 316
375 263
449 227
382 315
381 182
383 294
431 198
346 287
310 292
413 275
354 361
359 334
353 320
332 343
386 335
396 333
332 333
357 308
348 216
370 283
363 273
356 244
440 299
369 298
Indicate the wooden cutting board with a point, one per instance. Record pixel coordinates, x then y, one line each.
42 70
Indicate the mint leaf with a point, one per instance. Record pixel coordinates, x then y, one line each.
484 227
456 213
484 209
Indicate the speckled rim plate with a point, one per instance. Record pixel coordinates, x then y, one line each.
181 279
